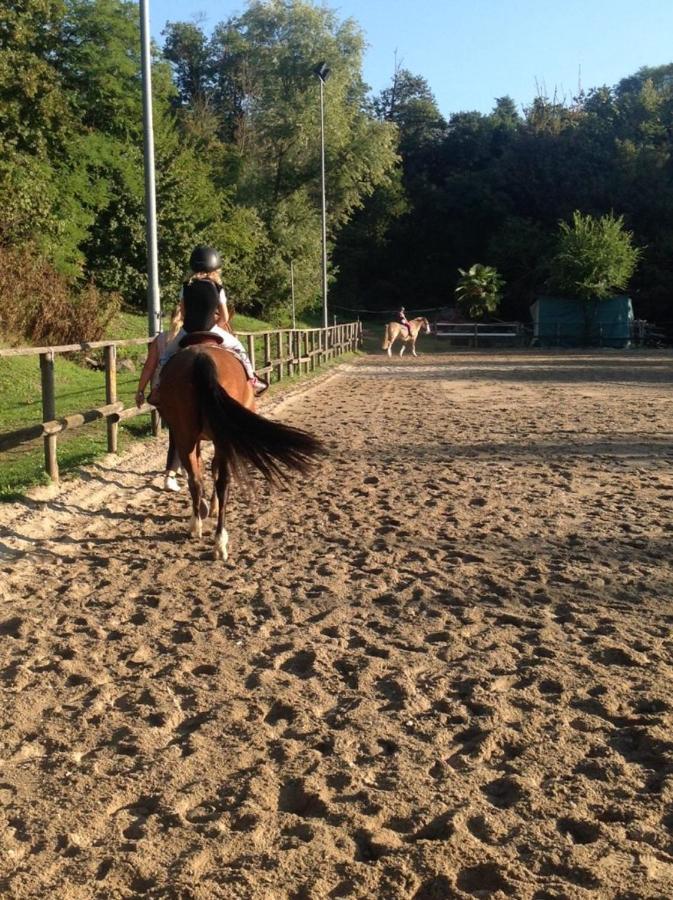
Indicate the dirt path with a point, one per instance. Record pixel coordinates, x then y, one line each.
440 668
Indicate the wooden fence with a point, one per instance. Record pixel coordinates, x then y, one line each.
476 331
277 354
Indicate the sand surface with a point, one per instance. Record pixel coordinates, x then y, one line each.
440 668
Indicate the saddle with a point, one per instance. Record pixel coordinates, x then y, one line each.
200 337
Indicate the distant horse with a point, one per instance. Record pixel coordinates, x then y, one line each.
395 330
205 395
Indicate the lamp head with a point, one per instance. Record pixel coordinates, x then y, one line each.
322 70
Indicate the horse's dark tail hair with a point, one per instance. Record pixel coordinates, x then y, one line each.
386 338
243 436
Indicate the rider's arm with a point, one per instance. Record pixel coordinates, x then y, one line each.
148 370
223 311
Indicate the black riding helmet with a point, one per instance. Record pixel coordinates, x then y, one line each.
204 259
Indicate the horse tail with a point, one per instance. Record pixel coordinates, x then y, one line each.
242 436
386 338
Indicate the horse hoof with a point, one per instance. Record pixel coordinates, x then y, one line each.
221 546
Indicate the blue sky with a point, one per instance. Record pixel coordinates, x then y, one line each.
471 51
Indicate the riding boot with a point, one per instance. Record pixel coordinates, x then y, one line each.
259 385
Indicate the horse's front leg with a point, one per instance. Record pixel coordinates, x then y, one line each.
390 347
404 347
222 491
192 464
413 348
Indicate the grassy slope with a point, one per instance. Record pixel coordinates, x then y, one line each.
78 388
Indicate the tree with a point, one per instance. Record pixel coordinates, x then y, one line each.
254 77
594 257
479 290
409 103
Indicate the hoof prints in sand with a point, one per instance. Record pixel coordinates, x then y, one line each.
438 668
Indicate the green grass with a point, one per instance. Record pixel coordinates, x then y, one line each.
79 388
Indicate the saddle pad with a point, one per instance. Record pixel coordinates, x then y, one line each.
200 337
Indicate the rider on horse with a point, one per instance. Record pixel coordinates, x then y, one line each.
204 305
402 317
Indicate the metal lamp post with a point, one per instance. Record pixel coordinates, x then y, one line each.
153 303
294 314
322 71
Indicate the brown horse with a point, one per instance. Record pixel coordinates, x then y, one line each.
395 330
205 395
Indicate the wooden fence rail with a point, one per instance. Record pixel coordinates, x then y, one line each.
476 331
278 354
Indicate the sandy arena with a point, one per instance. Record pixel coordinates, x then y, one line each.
440 668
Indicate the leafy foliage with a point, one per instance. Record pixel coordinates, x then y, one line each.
254 83
594 257
479 291
410 194
40 304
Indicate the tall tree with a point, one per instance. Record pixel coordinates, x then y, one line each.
263 96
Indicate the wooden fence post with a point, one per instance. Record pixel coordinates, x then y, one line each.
267 355
279 346
291 366
49 412
250 341
111 395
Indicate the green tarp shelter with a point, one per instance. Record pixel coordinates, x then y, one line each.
558 322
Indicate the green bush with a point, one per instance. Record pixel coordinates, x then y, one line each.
594 258
479 291
42 306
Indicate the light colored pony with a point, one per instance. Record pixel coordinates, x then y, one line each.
395 330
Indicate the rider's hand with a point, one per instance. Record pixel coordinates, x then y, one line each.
140 398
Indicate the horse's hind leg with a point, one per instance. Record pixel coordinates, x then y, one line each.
404 347
222 491
214 503
192 464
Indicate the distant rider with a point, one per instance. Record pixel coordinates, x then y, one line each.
402 317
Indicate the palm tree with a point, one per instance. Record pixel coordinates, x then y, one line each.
479 290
